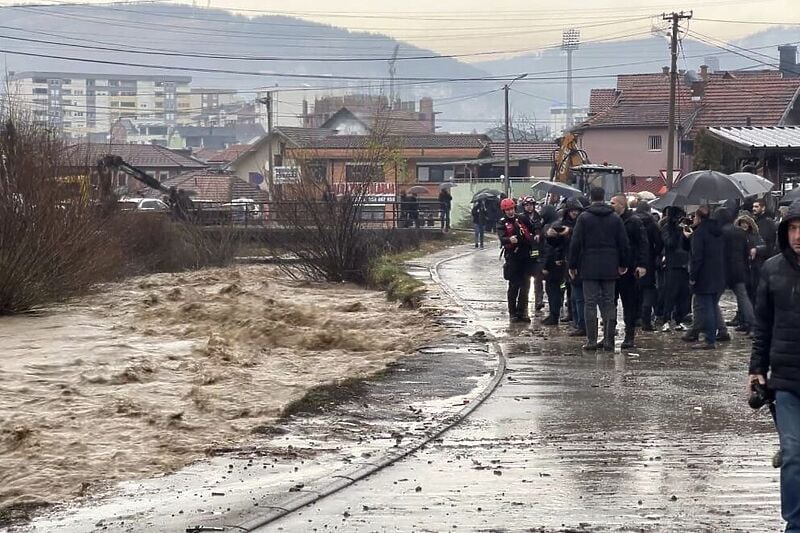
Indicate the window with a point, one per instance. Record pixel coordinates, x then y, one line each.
317 170
654 143
362 172
40 90
434 174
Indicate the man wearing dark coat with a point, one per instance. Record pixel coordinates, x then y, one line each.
647 283
599 252
737 257
636 265
706 272
775 357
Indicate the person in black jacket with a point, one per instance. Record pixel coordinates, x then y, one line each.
445 205
776 350
766 227
737 257
627 285
479 218
647 283
533 221
706 272
599 252
516 240
554 271
676 271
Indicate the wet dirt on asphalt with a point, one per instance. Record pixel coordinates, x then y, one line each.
658 438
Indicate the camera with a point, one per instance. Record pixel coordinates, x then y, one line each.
760 396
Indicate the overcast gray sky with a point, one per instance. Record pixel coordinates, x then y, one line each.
452 26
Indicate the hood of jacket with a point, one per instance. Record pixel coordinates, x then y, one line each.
783 229
600 210
752 227
548 214
723 215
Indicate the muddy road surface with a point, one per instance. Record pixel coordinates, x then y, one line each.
659 438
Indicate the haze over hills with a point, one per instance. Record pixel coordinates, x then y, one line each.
230 51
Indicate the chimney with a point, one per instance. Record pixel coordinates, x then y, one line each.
704 72
426 110
788 61
665 71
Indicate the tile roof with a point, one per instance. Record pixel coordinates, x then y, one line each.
600 100
728 98
735 102
137 155
218 188
303 136
759 137
227 155
432 140
524 150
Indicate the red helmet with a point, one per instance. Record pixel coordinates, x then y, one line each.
507 203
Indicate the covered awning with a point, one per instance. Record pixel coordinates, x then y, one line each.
759 137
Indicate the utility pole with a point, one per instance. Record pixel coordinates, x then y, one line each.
506 177
675 18
267 101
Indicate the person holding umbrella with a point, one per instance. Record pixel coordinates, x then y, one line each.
445 205
479 218
706 272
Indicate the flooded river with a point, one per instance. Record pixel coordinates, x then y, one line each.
146 376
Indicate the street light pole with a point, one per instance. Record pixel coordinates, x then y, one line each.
506 176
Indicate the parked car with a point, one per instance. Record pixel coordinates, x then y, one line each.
142 204
244 209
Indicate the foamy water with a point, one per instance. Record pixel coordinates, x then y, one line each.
148 375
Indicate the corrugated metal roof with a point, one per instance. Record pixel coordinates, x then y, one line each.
760 136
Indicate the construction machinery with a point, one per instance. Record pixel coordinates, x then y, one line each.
571 165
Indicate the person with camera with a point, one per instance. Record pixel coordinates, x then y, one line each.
776 353
516 240
599 252
676 272
628 289
558 236
533 221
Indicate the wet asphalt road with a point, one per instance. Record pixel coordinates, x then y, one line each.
655 439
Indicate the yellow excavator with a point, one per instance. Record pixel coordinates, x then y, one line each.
571 165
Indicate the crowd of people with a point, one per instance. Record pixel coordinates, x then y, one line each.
668 270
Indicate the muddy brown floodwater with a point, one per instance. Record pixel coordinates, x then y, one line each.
146 376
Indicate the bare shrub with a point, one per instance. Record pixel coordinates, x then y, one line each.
335 242
54 241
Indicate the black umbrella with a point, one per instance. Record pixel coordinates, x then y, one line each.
791 196
671 199
707 187
554 187
485 195
752 183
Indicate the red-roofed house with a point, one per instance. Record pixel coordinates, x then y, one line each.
632 132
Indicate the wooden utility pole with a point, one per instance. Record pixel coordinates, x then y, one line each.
267 101
675 18
506 179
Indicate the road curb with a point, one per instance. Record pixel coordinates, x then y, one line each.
347 477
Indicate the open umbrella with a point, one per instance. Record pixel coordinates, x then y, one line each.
670 199
554 187
484 196
791 196
448 185
707 187
752 183
417 189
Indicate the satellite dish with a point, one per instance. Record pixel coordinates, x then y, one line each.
691 77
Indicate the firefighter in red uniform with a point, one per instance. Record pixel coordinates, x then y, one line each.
517 241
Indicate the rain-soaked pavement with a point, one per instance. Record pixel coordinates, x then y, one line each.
656 439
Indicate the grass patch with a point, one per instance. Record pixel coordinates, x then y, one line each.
322 397
388 273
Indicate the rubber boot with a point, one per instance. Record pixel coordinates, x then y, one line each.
627 342
609 331
591 335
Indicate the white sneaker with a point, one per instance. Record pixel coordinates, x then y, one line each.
680 327
665 327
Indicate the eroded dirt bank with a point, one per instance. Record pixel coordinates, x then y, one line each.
146 376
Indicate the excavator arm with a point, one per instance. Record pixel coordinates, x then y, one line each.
108 163
567 155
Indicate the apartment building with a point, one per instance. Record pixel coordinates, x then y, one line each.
80 104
